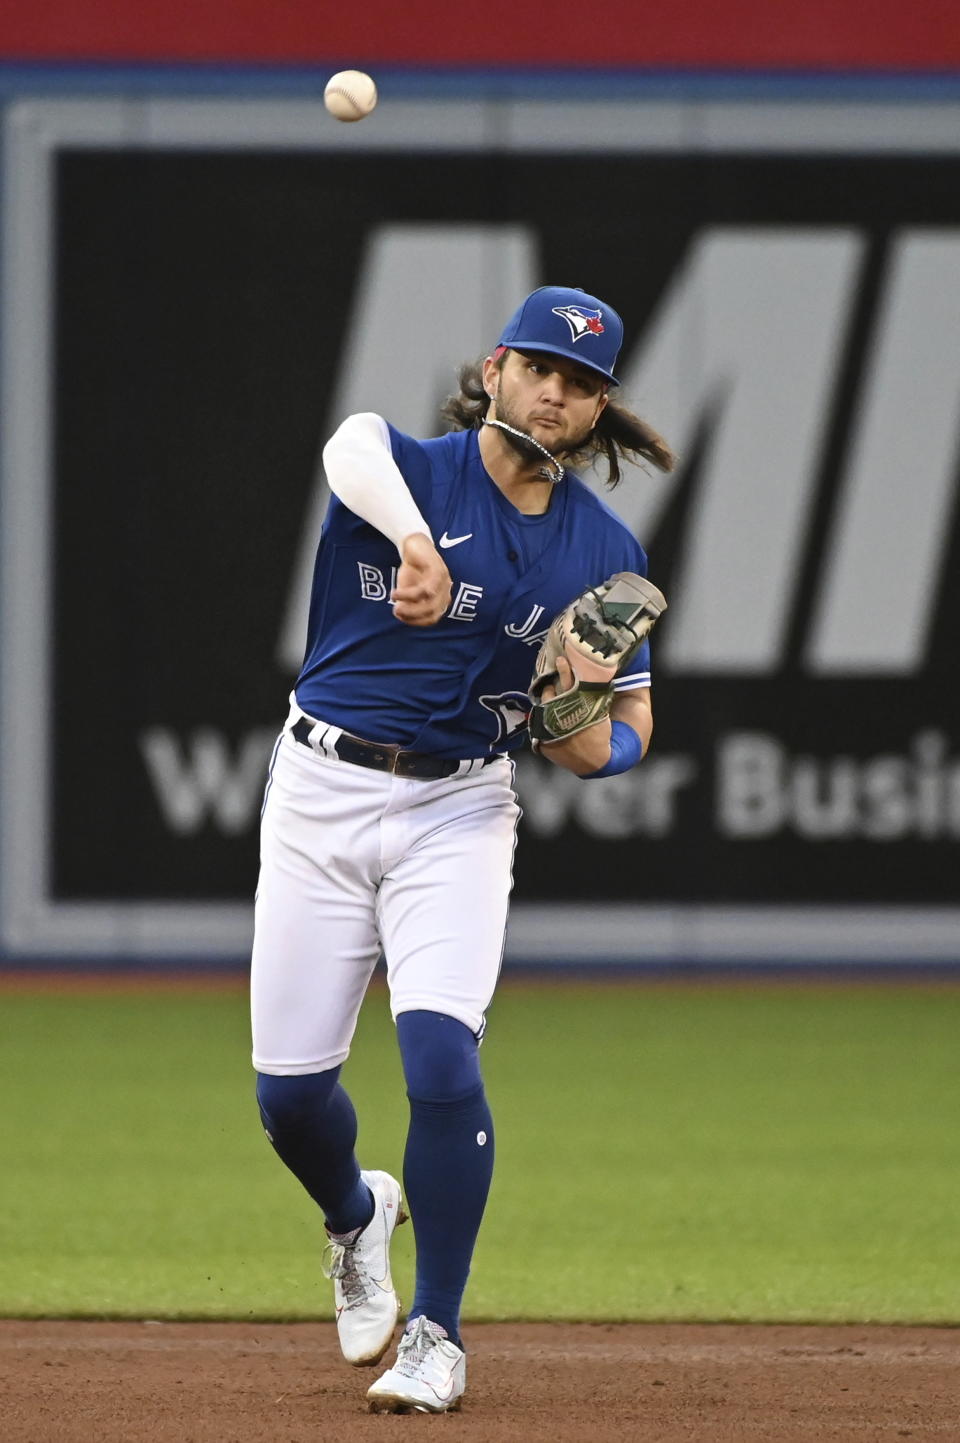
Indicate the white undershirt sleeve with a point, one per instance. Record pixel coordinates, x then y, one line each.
361 471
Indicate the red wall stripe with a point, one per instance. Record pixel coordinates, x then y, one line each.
765 34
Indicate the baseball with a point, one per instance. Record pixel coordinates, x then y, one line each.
350 95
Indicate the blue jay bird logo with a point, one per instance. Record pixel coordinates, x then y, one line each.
511 709
581 322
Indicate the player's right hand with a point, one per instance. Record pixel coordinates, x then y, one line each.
423 590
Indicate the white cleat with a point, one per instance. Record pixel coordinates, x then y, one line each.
367 1305
429 1375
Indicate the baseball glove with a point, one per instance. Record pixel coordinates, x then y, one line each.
597 633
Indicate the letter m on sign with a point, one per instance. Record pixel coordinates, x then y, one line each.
750 333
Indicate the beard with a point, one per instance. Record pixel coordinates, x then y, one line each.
525 445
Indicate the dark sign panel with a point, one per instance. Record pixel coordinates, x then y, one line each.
792 327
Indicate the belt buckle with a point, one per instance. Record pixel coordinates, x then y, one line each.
384 758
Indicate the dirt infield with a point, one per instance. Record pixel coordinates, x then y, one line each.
149 1382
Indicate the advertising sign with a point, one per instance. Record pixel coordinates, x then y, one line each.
191 308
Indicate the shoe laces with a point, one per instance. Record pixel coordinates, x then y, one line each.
340 1262
417 1342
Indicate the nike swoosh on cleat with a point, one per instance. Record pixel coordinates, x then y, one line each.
446 541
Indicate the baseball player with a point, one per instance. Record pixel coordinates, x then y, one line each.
444 577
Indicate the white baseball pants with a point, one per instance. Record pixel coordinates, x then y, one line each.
354 862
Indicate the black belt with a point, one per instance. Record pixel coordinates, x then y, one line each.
384 758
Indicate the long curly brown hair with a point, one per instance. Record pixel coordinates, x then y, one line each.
618 433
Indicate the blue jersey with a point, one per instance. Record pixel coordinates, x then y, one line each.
459 688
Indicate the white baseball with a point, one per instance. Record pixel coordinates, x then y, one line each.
350 95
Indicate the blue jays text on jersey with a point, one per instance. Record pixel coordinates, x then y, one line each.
456 689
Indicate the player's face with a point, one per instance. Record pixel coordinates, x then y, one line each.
550 398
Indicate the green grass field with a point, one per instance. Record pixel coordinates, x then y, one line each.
768 1152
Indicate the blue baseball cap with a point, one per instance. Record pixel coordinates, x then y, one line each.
565 321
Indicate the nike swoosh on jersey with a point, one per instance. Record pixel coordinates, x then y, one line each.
446 540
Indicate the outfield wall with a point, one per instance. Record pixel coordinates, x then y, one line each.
201 278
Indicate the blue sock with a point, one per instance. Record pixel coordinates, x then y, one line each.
312 1126
448 1163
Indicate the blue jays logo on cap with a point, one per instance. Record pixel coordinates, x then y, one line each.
581 322
565 321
